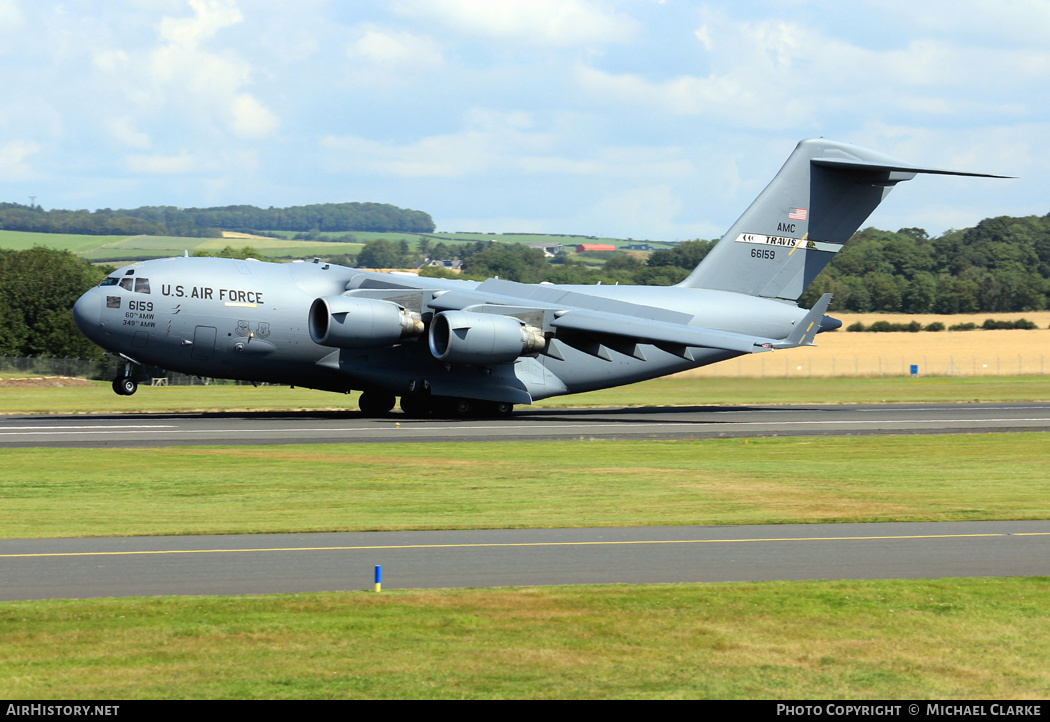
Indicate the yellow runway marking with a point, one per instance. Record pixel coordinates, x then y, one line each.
516 544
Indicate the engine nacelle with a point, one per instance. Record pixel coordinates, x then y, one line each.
461 337
350 322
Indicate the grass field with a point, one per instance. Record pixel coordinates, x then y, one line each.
673 391
21 240
359 487
137 248
274 248
146 247
914 639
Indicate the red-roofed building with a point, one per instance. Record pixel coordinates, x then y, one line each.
595 247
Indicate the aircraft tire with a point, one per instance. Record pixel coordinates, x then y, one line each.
376 403
493 409
451 407
461 408
125 385
415 406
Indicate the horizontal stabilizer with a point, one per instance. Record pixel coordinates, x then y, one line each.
808 328
843 164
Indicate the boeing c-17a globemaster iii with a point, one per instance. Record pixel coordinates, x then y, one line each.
466 348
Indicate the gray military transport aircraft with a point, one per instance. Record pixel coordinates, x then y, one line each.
466 348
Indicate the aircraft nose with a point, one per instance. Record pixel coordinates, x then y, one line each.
87 312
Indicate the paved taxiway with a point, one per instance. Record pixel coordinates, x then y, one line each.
285 563
129 430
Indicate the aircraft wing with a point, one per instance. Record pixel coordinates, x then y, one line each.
618 324
656 332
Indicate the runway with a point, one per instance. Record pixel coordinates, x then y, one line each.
693 422
293 563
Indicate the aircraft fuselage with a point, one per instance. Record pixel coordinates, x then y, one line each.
226 318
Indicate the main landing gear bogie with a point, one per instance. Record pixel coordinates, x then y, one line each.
376 403
421 406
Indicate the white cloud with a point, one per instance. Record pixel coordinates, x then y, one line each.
223 165
210 17
124 131
13 166
393 50
111 60
11 18
154 164
637 118
208 86
653 207
773 74
491 141
250 118
1010 22
545 22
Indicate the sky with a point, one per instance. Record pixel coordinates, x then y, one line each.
645 119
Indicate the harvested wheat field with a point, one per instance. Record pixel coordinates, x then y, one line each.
934 353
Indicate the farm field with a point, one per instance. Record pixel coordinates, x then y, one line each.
275 248
114 249
21 240
941 353
147 247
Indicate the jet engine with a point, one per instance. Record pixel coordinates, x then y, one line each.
349 322
461 337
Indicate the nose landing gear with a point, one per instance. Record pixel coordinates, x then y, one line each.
125 385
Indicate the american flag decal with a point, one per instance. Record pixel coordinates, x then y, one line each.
797 214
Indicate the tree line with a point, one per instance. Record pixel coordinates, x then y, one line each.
1000 265
38 288
210 222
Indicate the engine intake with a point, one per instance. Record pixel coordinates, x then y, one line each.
461 337
349 322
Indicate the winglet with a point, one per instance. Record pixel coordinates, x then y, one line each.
807 329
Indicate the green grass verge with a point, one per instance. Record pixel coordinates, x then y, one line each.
248 489
912 639
659 392
890 389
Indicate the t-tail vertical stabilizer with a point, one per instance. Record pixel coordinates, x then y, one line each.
821 196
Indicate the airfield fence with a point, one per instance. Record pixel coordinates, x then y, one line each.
800 364
104 369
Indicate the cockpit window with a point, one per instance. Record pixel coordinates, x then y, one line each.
141 285
109 281
125 283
